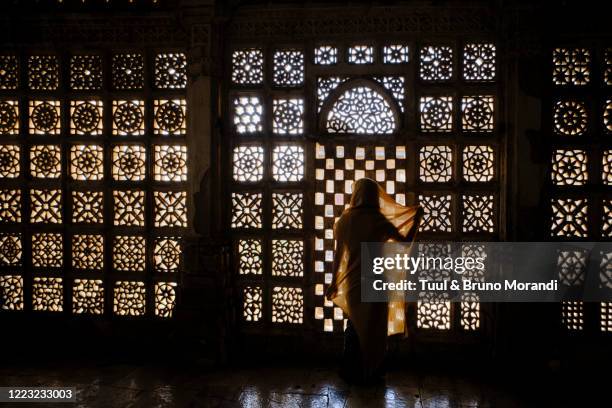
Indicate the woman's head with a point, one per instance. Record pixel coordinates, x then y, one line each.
365 194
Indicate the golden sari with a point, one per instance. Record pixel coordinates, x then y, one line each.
372 216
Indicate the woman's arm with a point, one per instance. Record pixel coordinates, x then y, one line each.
417 222
396 236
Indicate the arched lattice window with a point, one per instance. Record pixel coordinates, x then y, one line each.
581 172
308 120
93 171
360 110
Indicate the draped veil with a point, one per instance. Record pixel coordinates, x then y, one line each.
372 216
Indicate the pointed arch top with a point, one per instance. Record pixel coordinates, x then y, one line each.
360 107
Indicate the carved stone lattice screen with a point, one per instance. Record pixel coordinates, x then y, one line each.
93 172
306 121
581 171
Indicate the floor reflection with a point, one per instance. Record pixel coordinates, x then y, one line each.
135 386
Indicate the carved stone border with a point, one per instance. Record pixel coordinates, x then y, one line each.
157 30
367 21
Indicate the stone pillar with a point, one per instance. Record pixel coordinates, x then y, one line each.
202 309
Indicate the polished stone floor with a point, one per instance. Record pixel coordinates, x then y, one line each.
145 385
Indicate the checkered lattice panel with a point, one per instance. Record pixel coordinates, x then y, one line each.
337 167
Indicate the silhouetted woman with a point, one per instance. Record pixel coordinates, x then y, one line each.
372 216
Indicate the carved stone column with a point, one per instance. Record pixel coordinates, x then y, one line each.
204 296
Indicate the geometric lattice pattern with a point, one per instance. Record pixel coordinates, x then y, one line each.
128 71
170 71
9 161
437 213
43 72
9 72
88 296
248 163
361 110
325 86
569 167
288 163
129 208
129 298
470 311
287 210
477 113
248 114
46 206
478 163
288 116
478 213
128 118
287 258
246 210
165 299
11 292
571 66
606 219
572 315
252 303
88 207
570 118
287 305
11 250
606 167
85 72
436 63
87 162
10 206
325 55
247 67
47 294
455 180
170 163
605 316
86 117
607 116
579 212
436 114
169 117
45 161
44 117
571 266
47 250
88 252
288 68
9 117
250 257
167 254
170 208
433 313
605 269
396 86
129 162
435 164
361 54
569 218
395 54
129 253
98 139
479 62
